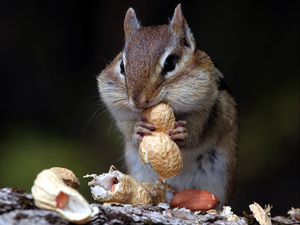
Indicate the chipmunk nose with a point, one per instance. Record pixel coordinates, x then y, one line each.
140 100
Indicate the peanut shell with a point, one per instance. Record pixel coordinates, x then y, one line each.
160 115
67 176
162 154
117 187
51 191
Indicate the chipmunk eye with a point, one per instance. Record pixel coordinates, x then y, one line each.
122 69
170 63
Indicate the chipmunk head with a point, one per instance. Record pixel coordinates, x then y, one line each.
158 63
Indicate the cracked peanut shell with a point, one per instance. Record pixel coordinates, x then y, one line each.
53 190
117 187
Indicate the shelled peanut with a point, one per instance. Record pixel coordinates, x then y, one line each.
195 200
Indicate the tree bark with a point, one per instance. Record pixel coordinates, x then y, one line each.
17 207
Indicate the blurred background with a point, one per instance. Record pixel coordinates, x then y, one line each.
52 51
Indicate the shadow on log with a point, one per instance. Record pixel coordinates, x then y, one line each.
17 208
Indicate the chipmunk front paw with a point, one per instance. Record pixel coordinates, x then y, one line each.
141 129
179 134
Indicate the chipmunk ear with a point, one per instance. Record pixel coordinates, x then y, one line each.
131 23
180 27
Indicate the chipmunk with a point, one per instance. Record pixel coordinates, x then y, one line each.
161 64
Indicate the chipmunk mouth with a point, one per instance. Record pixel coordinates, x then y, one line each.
140 107
134 108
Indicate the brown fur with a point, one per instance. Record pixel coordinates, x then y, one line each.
150 43
192 93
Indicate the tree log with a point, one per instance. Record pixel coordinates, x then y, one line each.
17 207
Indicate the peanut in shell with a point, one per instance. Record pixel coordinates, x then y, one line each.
162 154
160 115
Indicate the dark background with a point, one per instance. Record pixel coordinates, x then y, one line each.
51 52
